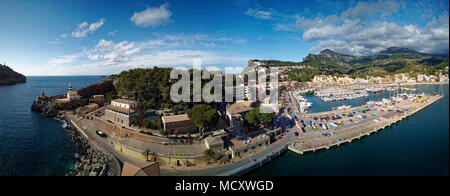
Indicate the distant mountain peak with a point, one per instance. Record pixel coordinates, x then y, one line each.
394 50
326 50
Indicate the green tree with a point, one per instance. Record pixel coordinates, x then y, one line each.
177 133
209 154
204 116
252 117
163 132
266 118
110 96
255 117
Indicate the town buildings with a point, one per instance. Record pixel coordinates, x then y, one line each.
214 143
236 113
99 99
120 112
87 109
180 123
241 148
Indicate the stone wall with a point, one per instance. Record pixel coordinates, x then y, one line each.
182 126
162 159
119 119
111 129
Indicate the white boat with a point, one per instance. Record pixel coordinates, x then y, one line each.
370 102
344 107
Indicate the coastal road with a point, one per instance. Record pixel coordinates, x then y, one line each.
224 170
102 143
233 168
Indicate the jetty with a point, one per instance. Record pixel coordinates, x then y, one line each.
353 128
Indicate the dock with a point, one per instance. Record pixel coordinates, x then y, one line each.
318 142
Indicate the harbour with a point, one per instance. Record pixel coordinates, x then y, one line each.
401 141
318 141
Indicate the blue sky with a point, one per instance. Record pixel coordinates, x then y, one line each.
85 37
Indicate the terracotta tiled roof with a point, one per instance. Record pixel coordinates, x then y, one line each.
121 109
176 118
140 169
239 107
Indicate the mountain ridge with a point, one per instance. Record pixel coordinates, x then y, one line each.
393 59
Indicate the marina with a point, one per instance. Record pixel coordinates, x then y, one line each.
420 133
346 125
333 94
301 102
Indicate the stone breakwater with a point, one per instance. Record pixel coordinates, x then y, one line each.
91 161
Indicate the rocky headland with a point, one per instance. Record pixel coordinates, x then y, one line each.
10 77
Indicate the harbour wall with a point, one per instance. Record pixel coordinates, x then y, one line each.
256 163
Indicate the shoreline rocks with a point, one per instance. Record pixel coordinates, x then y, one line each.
90 160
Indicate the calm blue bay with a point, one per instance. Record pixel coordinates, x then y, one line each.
31 144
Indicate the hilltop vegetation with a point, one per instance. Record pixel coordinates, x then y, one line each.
391 61
303 75
150 88
9 76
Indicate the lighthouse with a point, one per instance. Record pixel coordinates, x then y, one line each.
72 95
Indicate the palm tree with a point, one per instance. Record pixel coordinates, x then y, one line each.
146 153
209 154
177 133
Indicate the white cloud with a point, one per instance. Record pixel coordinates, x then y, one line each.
358 39
164 50
111 53
364 9
59 39
84 28
260 14
112 33
363 29
152 16
184 58
360 30
193 41
61 60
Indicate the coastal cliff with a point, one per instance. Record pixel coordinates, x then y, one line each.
50 107
10 77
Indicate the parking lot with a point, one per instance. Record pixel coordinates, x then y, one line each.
326 122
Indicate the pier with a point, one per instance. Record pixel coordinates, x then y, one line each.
347 134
